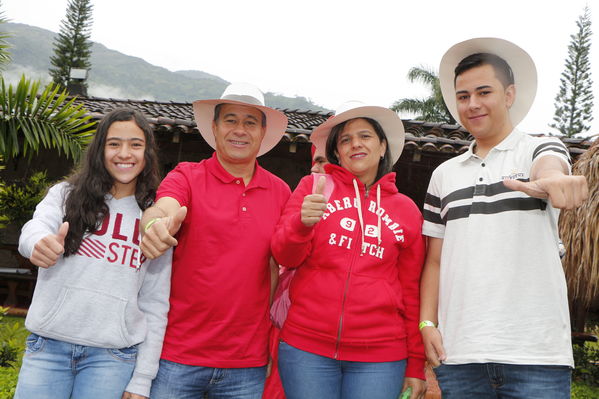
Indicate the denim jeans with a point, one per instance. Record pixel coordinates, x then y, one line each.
180 381
55 369
499 381
306 375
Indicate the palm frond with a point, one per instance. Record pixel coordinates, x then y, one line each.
31 120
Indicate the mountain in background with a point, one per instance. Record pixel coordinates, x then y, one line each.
116 75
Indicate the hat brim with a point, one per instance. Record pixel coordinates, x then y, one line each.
276 122
523 67
388 119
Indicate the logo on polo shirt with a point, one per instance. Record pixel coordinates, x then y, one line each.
514 174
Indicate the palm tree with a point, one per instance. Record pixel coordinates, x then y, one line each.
30 120
431 109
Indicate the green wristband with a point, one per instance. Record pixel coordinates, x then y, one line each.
150 223
426 323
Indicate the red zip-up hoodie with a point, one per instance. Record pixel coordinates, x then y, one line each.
356 293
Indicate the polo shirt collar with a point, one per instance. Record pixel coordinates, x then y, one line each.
260 179
508 143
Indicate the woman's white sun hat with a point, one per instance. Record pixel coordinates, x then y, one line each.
241 94
523 68
388 119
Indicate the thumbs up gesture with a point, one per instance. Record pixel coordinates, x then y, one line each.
47 250
160 235
314 204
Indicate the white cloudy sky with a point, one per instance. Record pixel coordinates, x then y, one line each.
329 50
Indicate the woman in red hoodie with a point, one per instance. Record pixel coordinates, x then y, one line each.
352 328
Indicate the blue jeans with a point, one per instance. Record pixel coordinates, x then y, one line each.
499 380
59 370
180 381
306 375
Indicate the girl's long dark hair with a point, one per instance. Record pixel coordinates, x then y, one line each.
85 205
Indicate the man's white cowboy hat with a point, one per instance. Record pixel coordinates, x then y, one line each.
388 119
523 68
241 94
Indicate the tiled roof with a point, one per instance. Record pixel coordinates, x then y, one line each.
420 136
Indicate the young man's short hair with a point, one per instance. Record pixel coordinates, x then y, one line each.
503 71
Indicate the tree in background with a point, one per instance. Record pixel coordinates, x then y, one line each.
72 47
574 101
30 120
431 109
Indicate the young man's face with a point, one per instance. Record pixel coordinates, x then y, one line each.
483 102
238 133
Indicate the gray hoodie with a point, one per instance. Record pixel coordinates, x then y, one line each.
98 297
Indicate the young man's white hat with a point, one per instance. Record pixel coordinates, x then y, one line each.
523 68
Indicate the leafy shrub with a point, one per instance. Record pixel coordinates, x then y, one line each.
8 381
586 359
12 346
19 199
579 391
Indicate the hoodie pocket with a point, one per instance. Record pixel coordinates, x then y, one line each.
85 315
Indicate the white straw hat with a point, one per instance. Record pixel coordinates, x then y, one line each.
523 68
388 119
241 94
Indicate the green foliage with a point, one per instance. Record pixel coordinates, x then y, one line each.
574 101
30 120
586 359
12 346
72 47
579 391
8 382
430 109
19 199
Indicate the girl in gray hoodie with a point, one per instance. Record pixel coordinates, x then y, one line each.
99 309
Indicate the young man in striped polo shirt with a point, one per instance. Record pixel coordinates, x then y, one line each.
494 307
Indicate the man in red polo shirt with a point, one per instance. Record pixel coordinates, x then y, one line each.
220 213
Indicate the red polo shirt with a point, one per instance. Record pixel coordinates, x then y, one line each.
220 279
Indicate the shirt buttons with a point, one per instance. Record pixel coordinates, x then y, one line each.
243 194
237 181
480 179
482 164
243 209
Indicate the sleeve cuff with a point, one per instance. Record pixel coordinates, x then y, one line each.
415 368
140 384
301 231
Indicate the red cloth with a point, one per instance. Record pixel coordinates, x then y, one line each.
344 304
220 280
273 389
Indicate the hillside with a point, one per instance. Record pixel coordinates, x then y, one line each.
117 75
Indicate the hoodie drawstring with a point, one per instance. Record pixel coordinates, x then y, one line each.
378 214
359 206
361 218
